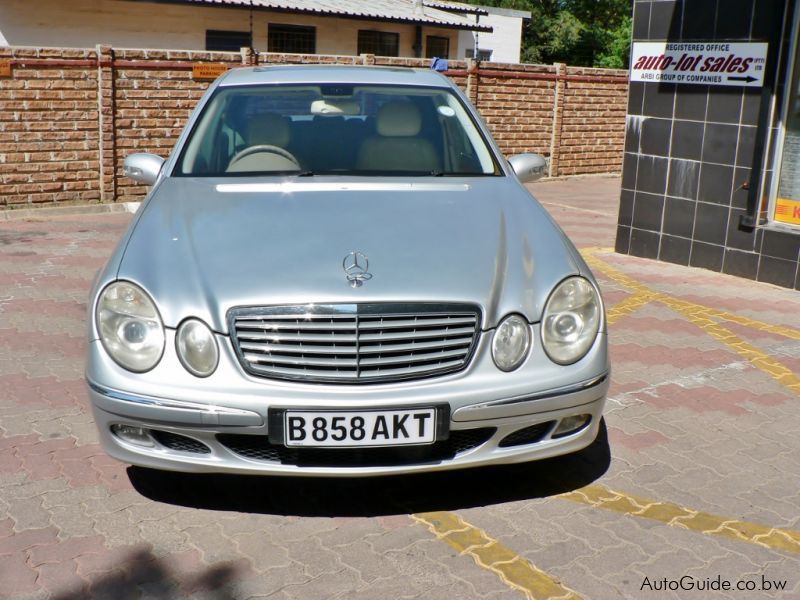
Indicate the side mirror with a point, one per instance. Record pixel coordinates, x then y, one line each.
528 167
143 168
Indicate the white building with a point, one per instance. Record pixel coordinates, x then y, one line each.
346 27
501 44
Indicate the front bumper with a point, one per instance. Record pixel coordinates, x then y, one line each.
218 413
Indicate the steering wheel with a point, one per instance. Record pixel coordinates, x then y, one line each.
265 149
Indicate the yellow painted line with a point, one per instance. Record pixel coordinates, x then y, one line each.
666 512
615 274
625 307
758 358
724 315
677 516
641 296
703 316
627 281
591 250
575 208
490 554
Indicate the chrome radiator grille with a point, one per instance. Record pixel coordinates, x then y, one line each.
354 343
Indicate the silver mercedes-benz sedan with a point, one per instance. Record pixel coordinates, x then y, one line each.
336 272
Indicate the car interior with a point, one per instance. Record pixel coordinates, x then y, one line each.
358 132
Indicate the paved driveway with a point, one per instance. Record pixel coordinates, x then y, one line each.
694 476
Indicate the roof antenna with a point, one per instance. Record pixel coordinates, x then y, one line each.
252 45
476 53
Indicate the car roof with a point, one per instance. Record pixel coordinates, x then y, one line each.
316 74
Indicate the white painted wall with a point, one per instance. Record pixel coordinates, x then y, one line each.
504 41
124 24
466 40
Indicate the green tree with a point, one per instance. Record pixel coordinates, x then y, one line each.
617 52
577 32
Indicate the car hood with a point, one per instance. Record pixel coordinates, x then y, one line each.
203 246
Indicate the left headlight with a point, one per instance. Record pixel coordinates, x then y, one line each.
130 327
197 347
511 342
571 320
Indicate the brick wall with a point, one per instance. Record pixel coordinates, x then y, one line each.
49 128
595 104
69 117
152 104
519 111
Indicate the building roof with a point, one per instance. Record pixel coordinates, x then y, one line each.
456 7
398 11
474 9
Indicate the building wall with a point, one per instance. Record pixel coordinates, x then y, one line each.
692 167
125 24
504 41
465 41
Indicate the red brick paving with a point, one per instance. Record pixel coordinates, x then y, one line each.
636 441
17 577
677 397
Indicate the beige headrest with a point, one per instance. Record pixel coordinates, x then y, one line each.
398 119
268 129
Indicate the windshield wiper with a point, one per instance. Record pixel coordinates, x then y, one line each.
458 174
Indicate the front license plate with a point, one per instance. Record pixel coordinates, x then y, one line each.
362 428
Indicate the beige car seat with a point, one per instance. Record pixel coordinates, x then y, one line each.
397 146
267 129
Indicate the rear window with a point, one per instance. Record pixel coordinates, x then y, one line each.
335 129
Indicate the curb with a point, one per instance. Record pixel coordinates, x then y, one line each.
59 211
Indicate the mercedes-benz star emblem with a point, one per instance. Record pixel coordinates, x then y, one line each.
356 268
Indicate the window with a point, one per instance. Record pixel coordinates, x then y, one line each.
482 54
784 205
295 39
380 43
218 40
438 47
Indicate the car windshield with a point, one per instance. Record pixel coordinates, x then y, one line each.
335 130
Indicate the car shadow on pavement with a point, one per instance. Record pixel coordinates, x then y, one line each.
377 496
140 573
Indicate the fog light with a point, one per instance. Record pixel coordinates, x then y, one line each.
570 425
133 435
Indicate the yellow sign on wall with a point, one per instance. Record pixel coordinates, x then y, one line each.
208 70
5 68
787 211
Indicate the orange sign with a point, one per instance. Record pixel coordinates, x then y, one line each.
208 70
5 68
787 211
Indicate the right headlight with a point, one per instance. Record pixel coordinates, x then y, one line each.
571 320
130 327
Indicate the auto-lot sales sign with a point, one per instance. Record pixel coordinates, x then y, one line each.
710 63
